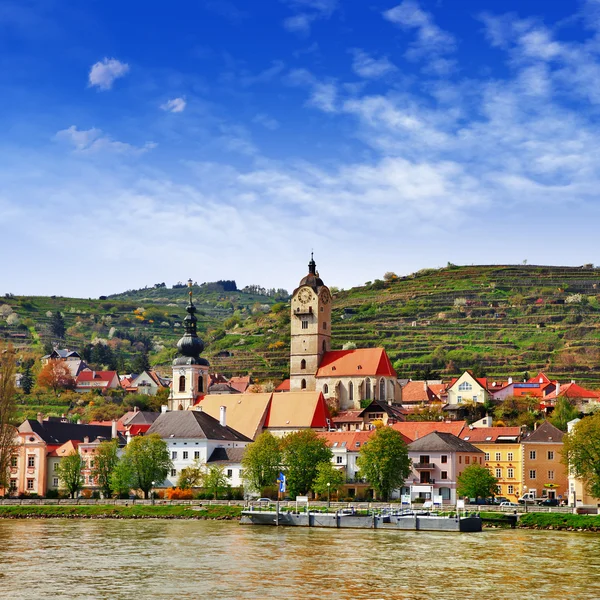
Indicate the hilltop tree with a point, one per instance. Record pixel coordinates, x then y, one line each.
581 452
8 409
384 461
57 325
262 461
69 473
105 461
563 412
302 452
55 376
149 459
476 482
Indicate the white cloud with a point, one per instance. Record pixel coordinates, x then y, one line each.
176 105
308 11
266 121
94 140
323 94
368 67
103 73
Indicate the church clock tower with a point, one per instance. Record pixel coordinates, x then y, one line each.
310 329
190 371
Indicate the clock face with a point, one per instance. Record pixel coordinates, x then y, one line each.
304 295
325 297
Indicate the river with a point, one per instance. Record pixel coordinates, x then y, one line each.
148 559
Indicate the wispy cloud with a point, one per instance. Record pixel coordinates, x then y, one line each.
366 66
323 94
307 12
103 73
175 105
266 121
94 140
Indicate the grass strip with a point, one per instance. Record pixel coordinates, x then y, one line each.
568 522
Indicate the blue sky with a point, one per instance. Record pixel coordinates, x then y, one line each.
218 139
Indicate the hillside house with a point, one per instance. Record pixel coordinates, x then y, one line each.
88 381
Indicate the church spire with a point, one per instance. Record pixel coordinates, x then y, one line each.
190 345
312 265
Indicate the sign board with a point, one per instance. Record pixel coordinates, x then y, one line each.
438 500
421 489
460 504
282 481
405 499
302 499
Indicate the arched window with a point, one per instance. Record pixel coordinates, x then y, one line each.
382 389
392 391
200 384
180 407
182 383
303 364
367 389
324 346
325 388
351 391
303 384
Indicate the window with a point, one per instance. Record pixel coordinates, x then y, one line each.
498 490
467 460
324 346
229 473
511 473
475 398
185 456
13 484
459 400
424 459
465 386
382 389
367 389
303 364
30 484
13 461
182 383
324 325
498 473
174 455
509 457
532 474
31 461
487 456
498 456
532 455
444 459
303 384
91 480
550 474
55 482
444 475
550 455
196 454
351 391
173 472
510 489
338 460
325 389
304 324
200 384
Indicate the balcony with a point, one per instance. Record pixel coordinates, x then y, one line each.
423 466
303 311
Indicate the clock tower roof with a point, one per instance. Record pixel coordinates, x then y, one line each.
312 279
190 345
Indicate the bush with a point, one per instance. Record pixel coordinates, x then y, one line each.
179 494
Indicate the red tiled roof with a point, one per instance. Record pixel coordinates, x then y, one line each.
418 391
348 416
418 429
489 434
138 429
354 440
284 386
364 362
481 380
537 378
241 384
439 389
107 376
572 390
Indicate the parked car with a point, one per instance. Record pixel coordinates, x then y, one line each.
509 505
499 500
264 500
549 502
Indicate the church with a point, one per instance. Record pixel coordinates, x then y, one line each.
345 377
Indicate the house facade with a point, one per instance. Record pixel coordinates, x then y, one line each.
89 381
467 389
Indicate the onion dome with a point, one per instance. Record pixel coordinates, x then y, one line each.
190 345
312 279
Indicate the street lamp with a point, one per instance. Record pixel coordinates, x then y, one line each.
152 493
525 497
328 488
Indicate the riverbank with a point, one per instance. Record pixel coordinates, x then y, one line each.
221 513
561 522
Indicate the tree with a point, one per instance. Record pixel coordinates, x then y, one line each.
121 479
215 480
581 452
302 451
106 459
476 482
328 474
390 276
563 412
27 376
69 472
384 461
192 476
149 460
262 461
57 325
141 362
55 376
8 409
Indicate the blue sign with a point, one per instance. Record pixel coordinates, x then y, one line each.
281 481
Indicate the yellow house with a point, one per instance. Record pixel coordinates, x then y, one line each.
503 456
467 388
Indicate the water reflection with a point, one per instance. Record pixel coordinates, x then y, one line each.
188 559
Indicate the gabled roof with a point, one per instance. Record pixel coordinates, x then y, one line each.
536 379
415 430
376 406
241 384
58 432
545 433
284 386
572 390
418 391
62 353
297 410
352 441
89 375
223 388
482 381
438 441
363 362
439 389
193 424
491 435
348 416
226 455
140 417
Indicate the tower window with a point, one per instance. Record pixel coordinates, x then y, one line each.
351 391
382 389
304 324
325 388
201 384
324 324
367 389
324 346
303 384
182 383
303 364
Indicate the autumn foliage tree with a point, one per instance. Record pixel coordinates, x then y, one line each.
55 376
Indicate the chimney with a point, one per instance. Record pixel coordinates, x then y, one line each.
78 421
572 381
557 389
425 385
86 440
164 408
223 419
509 380
93 374
541 380
40 418
136 409
113 430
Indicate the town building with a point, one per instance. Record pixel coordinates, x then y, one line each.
89 381
467 389
148 382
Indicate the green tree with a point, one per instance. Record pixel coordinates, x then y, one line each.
69 473
106 459
384 461
302 451
563 412
328 474
192 476
141 362
476 482
57 325
261 462
27 380
121 479
8 410
215 480
149 460
581 452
